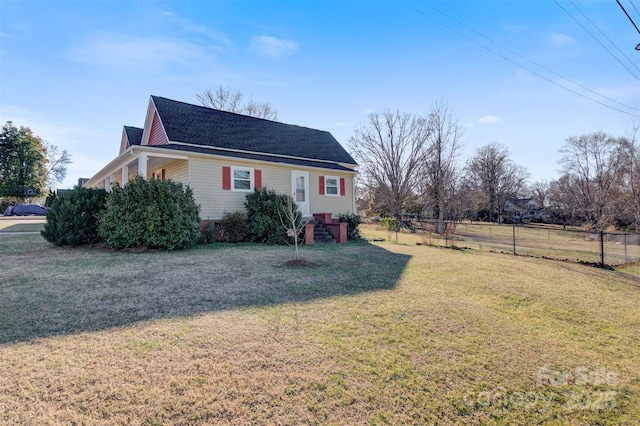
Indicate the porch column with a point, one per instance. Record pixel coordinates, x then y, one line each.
105 182
142 165
125 175
112 180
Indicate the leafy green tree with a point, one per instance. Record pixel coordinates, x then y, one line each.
23 161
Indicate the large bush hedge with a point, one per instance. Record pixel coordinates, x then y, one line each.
72 219
150 213
264 209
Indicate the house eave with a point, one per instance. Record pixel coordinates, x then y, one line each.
266 154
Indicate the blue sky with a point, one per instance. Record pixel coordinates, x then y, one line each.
75 72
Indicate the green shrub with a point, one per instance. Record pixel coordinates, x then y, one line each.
264 209
353 221
72 219
150 213
234 227
208 234
390 224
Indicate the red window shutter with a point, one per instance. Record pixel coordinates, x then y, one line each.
226 178
321 185
163 174
342 187
257 179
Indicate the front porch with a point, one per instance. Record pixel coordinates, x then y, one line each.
129 165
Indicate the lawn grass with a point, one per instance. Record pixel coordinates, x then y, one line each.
380 333
21 227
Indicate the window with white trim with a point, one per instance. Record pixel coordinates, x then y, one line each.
241 179
331 185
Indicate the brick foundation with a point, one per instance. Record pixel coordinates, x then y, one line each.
337 230
308 234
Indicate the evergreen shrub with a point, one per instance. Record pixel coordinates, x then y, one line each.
73 217
264 210
150 213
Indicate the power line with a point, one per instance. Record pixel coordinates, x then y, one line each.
596 39
625 12
603 34
635 115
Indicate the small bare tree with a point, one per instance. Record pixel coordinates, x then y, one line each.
223 99
291 218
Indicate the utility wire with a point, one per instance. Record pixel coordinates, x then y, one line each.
625 12
635 115
596 39
603 34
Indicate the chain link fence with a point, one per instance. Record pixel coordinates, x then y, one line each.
544 241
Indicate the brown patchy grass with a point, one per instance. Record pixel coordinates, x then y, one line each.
379 333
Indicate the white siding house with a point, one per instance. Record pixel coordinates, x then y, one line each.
222 156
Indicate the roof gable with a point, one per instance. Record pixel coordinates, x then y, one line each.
207 127
130 136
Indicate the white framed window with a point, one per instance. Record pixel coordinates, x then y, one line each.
331 186
158 174
242 179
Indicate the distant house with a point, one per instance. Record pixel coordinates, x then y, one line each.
525 209
223 156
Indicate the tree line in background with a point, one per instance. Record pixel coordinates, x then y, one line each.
28 164
412 164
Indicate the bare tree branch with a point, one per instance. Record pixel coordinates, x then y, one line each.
224 100
56 163
440 168
493 175
390 150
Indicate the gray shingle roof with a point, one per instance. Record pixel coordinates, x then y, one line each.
258 157
209 127
134 134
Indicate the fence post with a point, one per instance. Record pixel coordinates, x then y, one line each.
513 227
602 249
625 248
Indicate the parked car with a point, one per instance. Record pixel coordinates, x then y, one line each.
26 210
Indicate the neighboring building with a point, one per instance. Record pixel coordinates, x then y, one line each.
222 156
525 210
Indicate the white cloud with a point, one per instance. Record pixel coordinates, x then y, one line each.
341 124
189 27
272 47
488 119
136 53
561 39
